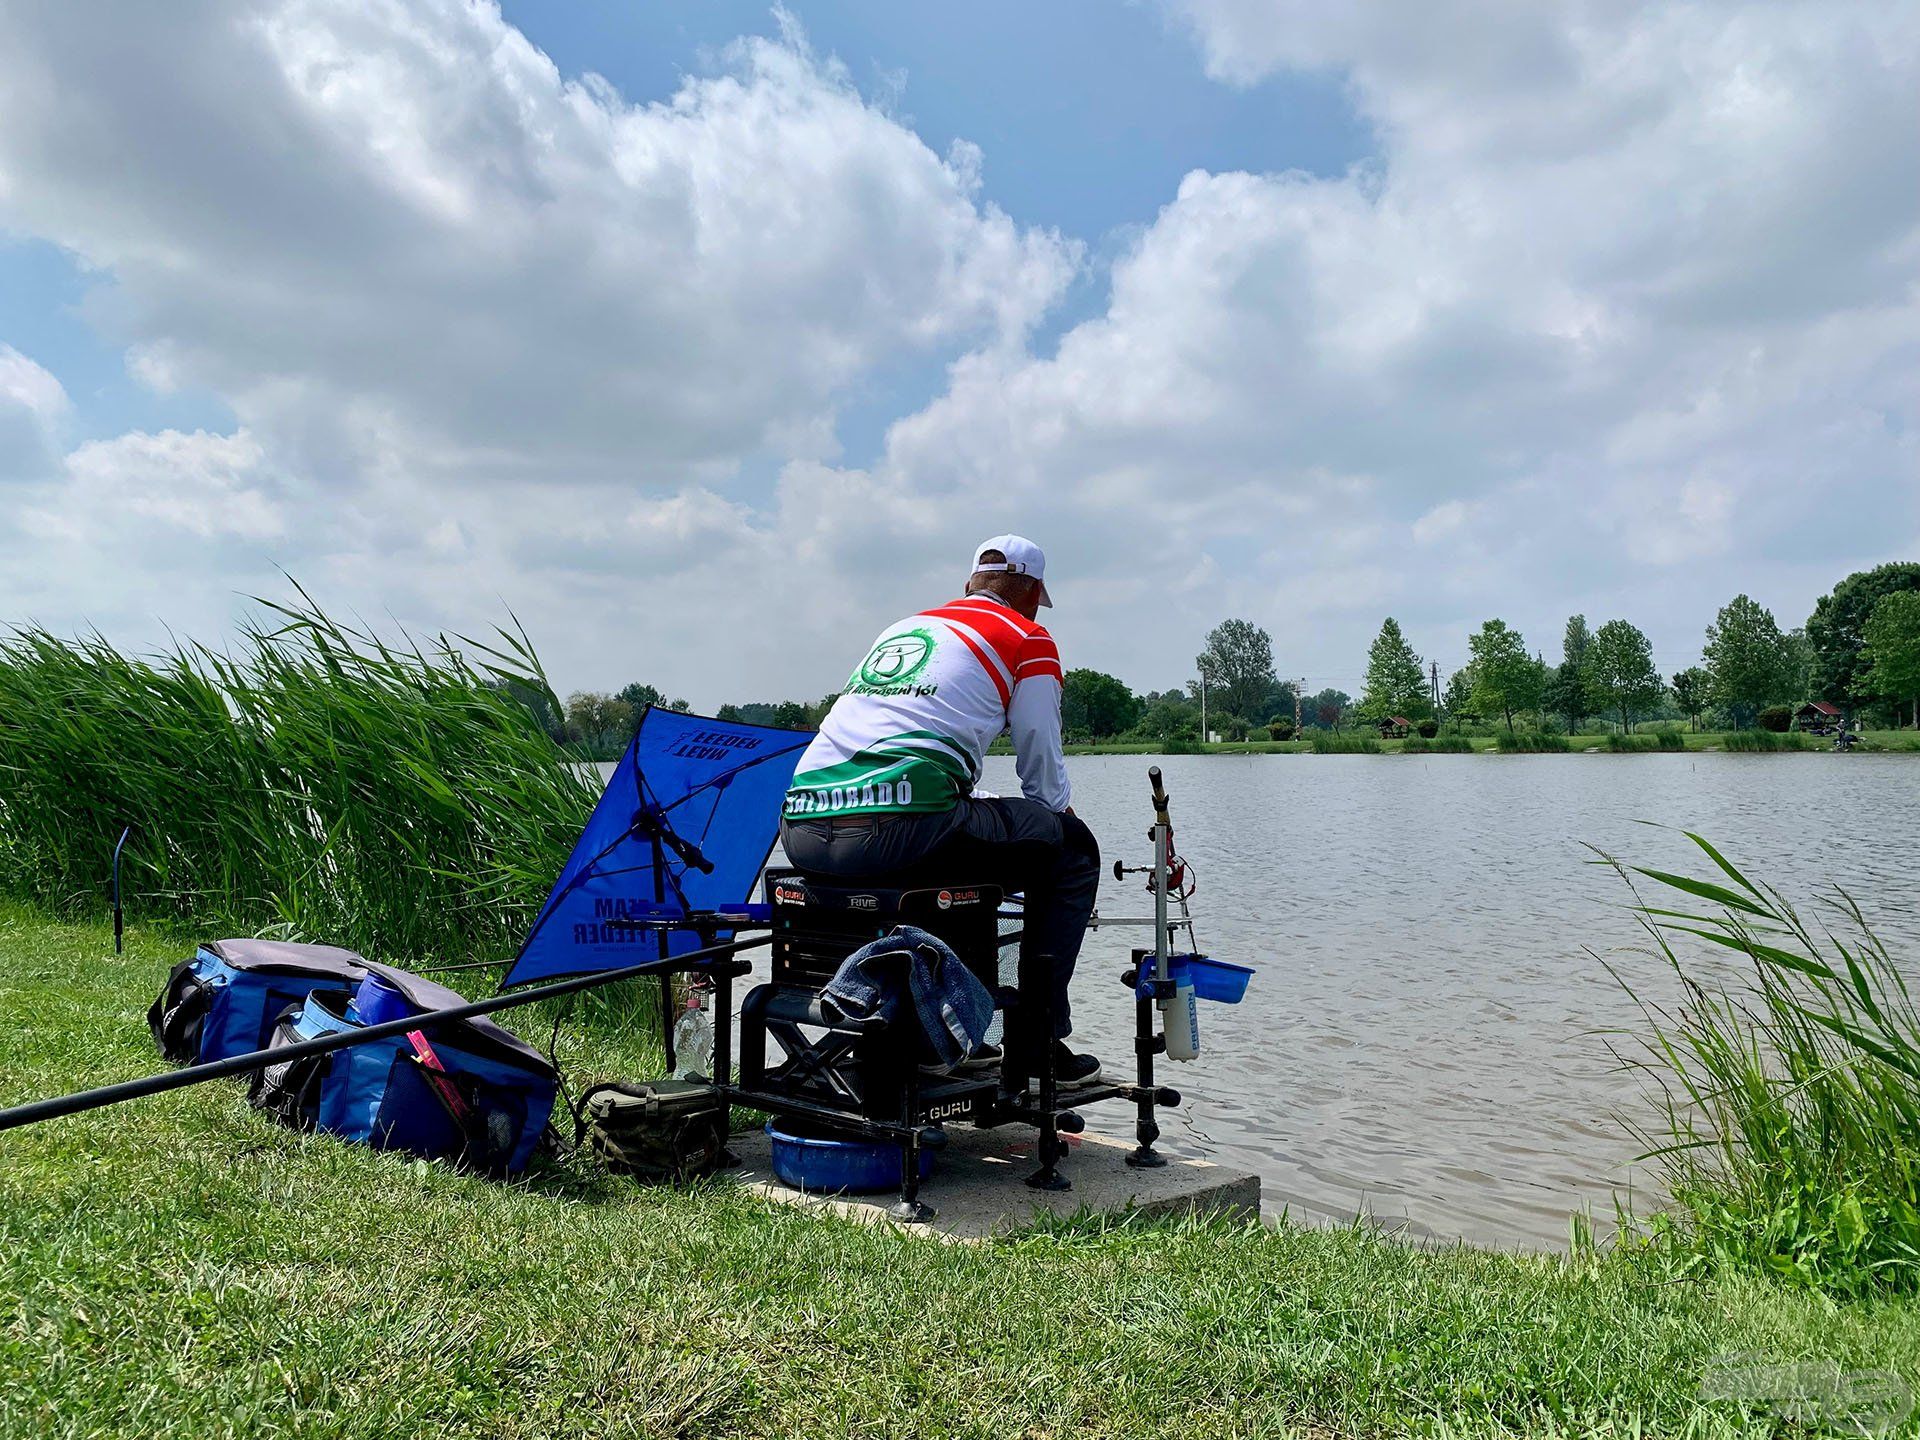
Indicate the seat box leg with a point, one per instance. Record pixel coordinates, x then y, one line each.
908 1209
1040 996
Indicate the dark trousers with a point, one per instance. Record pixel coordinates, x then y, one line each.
1018 845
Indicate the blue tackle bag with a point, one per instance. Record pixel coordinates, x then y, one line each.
227 998
464 1090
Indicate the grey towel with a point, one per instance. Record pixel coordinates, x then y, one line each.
952 1006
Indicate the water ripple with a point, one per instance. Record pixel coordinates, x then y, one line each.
1422 1039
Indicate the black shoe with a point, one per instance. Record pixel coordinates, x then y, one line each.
1071 1069
982 1057
1068 1069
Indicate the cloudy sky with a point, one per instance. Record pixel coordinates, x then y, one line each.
707 337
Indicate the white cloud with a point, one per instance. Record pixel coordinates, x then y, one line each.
146 533
141 486
1441 521
394 225
33 411
466 302
1623 317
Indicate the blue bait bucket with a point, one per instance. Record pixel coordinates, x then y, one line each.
1215 980
825 1163
377 1002
1218 980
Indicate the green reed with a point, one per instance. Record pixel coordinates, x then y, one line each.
1619 744
1334 742
1786 1086
1438 745
315 782
1530 743
1766 741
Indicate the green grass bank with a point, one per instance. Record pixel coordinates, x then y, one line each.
182 1267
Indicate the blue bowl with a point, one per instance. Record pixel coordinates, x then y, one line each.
1218 980
825 1163
377 1002
1211 979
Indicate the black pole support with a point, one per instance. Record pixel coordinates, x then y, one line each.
1036 989
1146 1045
119 915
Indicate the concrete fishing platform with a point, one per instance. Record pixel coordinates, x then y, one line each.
978 1188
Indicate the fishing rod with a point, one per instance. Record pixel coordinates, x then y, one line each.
59 1105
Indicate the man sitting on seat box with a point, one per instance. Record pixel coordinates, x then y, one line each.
884 794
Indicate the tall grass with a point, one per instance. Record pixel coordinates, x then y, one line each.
1512 743
315 782
1765 741
1620 744
1438 745
1787 1088
1334 742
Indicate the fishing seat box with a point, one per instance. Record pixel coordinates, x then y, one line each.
379 1093
817 922
226 998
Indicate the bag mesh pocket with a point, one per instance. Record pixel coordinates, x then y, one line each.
289 1090
176 1018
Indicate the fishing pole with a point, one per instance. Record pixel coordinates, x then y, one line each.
74 1104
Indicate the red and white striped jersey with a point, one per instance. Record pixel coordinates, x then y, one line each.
910 729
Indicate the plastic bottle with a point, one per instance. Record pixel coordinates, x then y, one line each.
1183 1020
692 1041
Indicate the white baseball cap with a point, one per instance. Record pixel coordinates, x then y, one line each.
1023 558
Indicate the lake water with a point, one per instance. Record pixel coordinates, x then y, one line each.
1419 1042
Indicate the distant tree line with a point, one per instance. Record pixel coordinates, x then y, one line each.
1859 651
593 723
785 714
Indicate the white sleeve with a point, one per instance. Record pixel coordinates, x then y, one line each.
1033 719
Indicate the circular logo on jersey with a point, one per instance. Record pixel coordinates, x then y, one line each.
944 899
897 659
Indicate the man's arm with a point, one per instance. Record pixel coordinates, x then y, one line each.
1033 720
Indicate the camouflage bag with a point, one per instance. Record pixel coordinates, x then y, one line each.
662 1130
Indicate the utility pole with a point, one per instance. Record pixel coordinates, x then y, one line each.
1298 686
1434 667
1201 665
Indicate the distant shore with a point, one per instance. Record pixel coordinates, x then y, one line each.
1870 740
